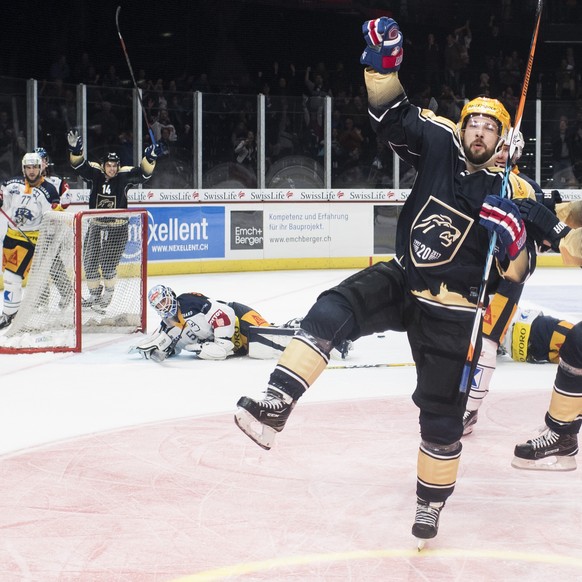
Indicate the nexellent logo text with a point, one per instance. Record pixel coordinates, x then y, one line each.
175 230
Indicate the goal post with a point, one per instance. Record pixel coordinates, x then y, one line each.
112 246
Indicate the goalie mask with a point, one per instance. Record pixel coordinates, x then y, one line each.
164 301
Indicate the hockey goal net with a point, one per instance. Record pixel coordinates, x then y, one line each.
53 315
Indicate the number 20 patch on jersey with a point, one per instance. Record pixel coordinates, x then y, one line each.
437 234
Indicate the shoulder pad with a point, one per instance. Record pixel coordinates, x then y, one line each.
520 188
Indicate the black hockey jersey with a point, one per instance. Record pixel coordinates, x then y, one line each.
439 241
109 193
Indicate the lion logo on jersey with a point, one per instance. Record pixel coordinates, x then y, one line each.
448 233
437 233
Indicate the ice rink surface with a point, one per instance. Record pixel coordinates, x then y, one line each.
114 468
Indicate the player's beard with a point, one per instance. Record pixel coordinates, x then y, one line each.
481 157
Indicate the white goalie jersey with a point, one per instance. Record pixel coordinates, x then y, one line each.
203 326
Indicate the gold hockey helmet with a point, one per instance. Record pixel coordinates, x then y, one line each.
490 108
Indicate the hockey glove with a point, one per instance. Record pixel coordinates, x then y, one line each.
157 347
152 153
75 143
501 215
1 200
550 199
152 353
219 349
384 39
542 224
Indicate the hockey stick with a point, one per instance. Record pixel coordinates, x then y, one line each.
145 117
15 226
477 322
359 366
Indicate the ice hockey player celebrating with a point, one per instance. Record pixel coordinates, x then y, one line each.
430 290
25 200
208 328
107 236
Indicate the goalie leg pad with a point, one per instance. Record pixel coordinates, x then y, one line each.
267 343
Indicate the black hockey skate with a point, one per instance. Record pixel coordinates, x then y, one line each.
66 298
93 297
261 420
549 451
469 420
426 522
102 303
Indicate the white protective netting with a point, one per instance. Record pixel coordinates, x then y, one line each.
51 315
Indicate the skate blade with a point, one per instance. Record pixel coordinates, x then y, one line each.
551 463
420 543
263 435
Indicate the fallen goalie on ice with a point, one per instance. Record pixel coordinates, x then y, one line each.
210 329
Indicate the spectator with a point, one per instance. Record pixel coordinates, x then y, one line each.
576 152
566 77
339 79
105 124
351 141
563 175
463 37
60 69
202 84
162 121
82 69
484 87
447 104
510 72
509 99
7 142
110 79
245 150
453 64
432 63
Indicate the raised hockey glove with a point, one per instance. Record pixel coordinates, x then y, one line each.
501 215
75 143
153 152
384 39
541 223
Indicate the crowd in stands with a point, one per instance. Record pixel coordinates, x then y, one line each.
443 69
